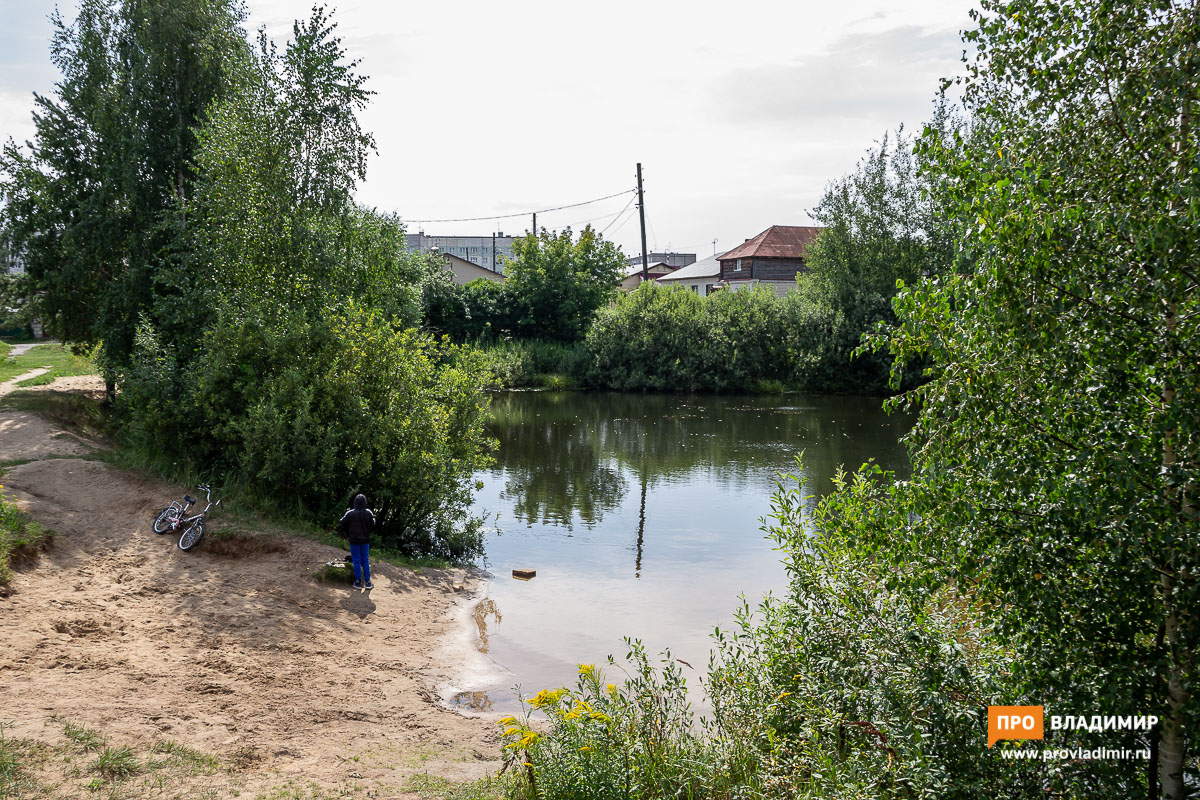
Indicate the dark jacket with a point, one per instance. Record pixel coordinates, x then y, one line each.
357 522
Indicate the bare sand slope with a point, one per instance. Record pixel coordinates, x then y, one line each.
243 655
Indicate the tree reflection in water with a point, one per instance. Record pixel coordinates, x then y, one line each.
569 458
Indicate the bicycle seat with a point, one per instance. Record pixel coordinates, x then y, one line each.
190 500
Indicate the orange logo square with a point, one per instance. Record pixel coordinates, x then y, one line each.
1014 722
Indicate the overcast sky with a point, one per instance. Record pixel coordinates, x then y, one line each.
740 113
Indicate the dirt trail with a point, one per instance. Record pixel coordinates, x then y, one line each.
246 656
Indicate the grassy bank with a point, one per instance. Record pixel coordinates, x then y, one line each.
60 362
21 539
534 364
242 511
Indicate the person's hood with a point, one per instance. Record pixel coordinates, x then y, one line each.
360 502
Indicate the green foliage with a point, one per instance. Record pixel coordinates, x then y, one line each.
1046 549
16 763
1059 440
16 310
557 283
608 741
885 222
669 339
92 206
531 363
850 686
554 286
481 310
290 363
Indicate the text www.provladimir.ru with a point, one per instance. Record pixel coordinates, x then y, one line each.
1033 754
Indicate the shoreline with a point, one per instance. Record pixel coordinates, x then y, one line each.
241 655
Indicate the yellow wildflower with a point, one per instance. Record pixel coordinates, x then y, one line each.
611 688
585 749
587 669
507 721
547 697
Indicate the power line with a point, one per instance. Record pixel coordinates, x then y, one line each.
523 213
605 216
618 216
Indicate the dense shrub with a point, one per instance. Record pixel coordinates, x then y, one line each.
669 339
611 742
526 363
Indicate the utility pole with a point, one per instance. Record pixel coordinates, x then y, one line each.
714 247
535 223
642 216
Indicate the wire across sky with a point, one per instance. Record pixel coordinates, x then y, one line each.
524 213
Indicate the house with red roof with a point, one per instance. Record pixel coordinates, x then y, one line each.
773 258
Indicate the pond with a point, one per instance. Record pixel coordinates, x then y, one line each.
642 516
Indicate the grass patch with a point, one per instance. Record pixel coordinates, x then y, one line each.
16 756
84 738
21 538
429 787
117 763
521 364
193 760
59 360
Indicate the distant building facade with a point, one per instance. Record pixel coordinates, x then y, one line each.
11 262
701 277
671 259
633 274
476 250
773 258
463 271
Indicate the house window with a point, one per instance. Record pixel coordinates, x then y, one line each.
695 288
708 289
737 265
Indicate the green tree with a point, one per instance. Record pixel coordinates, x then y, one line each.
301 374
557 283
883 223
1058 448
94 200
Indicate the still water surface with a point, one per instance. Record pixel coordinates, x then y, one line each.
641 515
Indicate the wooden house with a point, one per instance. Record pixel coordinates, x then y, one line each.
773 258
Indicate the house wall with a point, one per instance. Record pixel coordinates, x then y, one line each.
778 269
698 285
763 269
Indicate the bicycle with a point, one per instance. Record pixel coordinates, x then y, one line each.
173 517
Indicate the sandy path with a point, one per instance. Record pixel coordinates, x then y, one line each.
245 657
11 385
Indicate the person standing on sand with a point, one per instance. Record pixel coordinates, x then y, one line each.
357 523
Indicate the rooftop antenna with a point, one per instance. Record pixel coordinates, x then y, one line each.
714 246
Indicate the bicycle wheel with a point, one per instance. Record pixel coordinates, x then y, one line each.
166 520
191 535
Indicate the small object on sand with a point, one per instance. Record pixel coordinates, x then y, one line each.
524 574
458 587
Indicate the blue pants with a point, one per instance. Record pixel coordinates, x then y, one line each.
362 567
